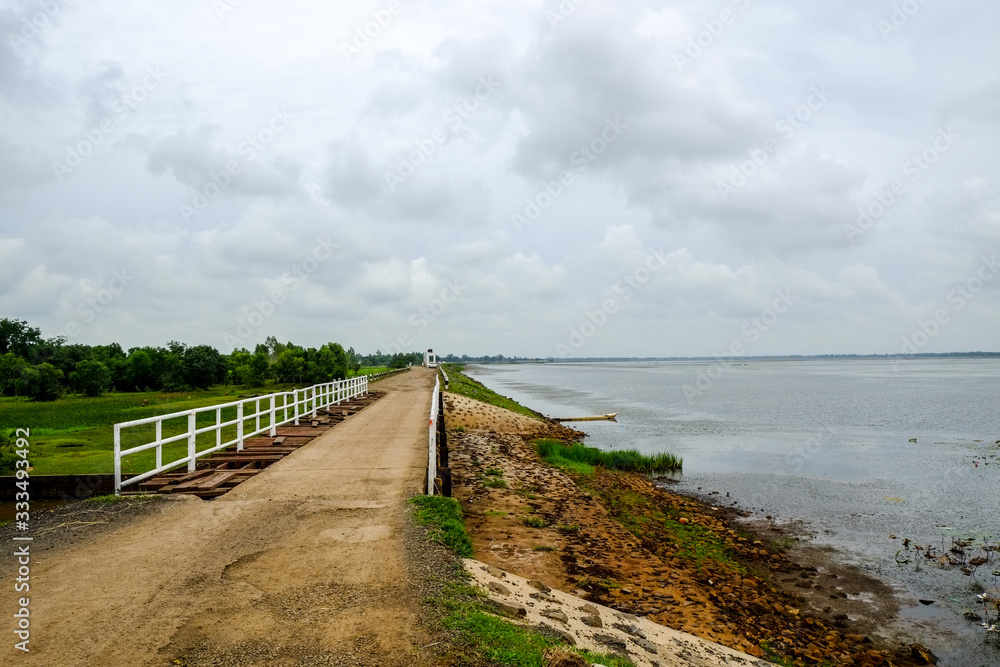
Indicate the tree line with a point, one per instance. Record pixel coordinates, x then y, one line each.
45 369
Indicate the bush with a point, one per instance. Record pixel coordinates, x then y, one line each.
41 383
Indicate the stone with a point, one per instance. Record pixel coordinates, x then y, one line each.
496 572
646 645
509 608
590 609
498 588
592 620
544 598
557 614
539 586
613 642
568 637
630 629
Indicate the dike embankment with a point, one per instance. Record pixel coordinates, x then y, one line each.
622 542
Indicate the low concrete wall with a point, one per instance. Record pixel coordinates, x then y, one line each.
60 487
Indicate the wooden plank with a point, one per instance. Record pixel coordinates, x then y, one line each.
251 459
216 480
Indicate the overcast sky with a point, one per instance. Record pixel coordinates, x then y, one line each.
529 178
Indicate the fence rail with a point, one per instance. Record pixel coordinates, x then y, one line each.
384 374
265 413
432 439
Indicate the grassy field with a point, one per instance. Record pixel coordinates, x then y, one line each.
460 383
75 435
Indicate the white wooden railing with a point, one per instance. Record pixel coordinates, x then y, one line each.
384 374
432 439
265 413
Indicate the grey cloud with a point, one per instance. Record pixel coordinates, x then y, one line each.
194 158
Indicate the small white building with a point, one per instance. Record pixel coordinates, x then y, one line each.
430 359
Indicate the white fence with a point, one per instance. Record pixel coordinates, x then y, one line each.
264 413
432 439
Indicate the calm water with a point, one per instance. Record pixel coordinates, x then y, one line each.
825 442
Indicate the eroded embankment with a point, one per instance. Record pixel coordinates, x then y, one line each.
619 540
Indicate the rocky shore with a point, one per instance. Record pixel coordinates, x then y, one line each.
620 540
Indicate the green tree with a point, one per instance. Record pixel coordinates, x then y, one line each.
11 367
290 366
18 337
90 377
260 369
139 371
204 366
399 360
41 383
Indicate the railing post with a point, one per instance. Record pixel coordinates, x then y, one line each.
239 426
295 405
256 428
159 447
192 441
118 459
274 429
314 401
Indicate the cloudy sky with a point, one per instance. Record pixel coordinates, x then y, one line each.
523 177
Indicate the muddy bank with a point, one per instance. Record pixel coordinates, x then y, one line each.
619 540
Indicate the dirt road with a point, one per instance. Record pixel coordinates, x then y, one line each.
304 564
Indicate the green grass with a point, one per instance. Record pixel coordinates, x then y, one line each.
444 517
114 500
75 435
493 471
582 459
534 522
487 639
527 492
460 383
495 483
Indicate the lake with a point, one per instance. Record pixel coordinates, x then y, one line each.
858 450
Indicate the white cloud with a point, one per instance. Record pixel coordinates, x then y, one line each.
553 90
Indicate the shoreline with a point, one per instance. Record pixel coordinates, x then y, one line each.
774 608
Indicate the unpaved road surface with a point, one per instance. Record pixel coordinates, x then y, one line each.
304 564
